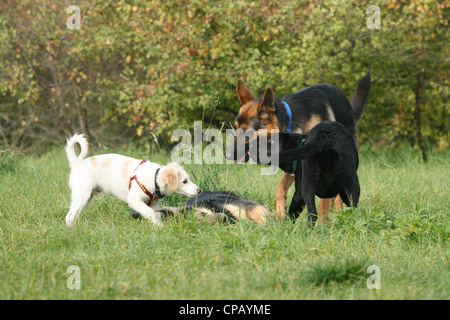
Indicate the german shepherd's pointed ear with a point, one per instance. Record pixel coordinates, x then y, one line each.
266 108
244 95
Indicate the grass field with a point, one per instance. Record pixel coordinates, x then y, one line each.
402 226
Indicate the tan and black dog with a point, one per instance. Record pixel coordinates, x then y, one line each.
220 207
297 113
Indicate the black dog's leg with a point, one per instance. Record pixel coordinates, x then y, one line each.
350 194
309 183
355 190
311 205
297 205
309 195
350 198
345 198
298 202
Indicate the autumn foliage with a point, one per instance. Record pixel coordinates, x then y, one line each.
140 69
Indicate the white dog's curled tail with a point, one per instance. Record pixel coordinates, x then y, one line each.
81 139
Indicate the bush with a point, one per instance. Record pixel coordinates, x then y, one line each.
9 161
140 69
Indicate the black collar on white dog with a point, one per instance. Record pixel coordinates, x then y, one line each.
157 190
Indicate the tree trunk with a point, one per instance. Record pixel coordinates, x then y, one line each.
81 112
83 119
418 115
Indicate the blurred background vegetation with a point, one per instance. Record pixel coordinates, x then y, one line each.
137 70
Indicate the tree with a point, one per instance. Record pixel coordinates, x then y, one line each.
148 67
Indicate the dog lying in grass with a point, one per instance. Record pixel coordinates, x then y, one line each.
220 207
140 183
324 163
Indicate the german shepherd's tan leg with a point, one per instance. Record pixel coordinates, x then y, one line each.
324 207
280 195
338 204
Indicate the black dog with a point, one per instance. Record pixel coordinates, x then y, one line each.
324 163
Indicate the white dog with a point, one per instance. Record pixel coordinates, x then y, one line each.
140 183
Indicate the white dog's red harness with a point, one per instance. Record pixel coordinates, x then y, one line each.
152 196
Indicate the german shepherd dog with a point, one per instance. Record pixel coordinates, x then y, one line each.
324 162
220 207
305 109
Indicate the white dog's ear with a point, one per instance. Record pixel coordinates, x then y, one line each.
170 177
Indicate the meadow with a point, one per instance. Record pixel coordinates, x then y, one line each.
402 226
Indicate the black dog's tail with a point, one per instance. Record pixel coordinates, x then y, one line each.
359 99
322 140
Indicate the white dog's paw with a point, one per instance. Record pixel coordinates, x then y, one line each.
157 223
70 220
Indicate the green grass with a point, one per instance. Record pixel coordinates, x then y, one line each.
402 225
